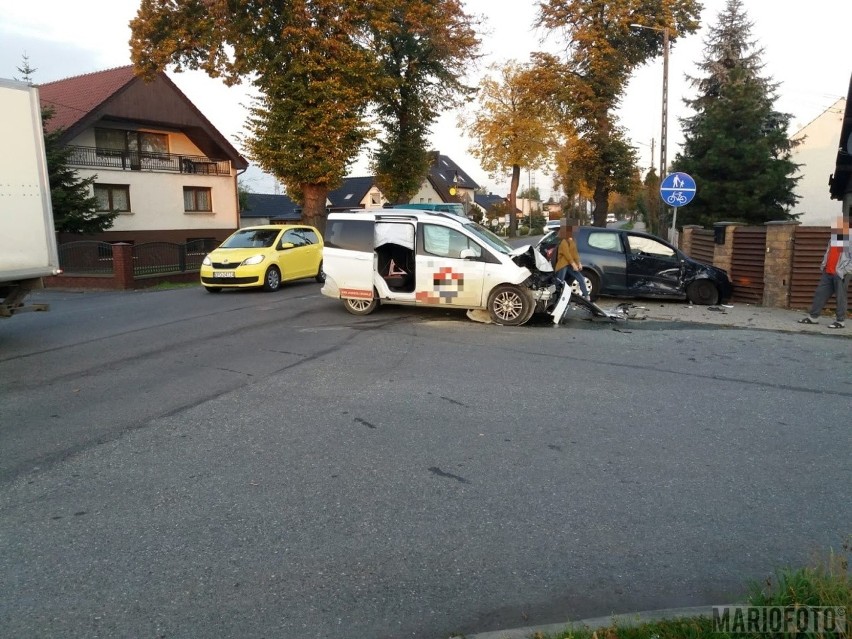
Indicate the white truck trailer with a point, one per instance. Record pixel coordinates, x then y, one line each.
27 238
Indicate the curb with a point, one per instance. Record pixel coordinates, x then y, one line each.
625 620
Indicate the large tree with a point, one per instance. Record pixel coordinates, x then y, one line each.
736 144
601 51
422 48
594 163
308 62
511 128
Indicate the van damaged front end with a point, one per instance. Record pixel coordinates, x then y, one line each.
541 280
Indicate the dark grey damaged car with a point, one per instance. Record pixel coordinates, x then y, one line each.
632 264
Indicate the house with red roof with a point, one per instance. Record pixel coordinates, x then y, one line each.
159 162
446 182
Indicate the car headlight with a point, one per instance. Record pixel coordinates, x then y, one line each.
207 261
251 261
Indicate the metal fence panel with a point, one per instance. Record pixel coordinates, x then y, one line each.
703 246
747 263
158 257
86 257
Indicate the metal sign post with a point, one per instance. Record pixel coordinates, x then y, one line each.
676 190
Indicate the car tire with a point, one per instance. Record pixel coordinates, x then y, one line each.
593 284
703 292
358 306
272 279
510 305
213 289
320 276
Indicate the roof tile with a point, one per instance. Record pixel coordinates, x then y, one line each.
74 98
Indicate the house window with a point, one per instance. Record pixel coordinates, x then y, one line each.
113 197
197 198
134 150
375 199
134 141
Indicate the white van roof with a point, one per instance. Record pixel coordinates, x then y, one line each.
410 214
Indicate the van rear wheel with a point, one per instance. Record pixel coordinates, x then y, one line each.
360 306
510 305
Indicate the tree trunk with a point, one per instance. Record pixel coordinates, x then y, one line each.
313 210
601 198
513 200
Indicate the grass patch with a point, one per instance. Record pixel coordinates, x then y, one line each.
825 583
628 226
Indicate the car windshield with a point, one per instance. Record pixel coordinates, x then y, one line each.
489 238
251 238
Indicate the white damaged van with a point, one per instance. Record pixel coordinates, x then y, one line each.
421 258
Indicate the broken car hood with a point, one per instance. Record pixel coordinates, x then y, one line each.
530 258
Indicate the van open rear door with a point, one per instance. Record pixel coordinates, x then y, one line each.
349 259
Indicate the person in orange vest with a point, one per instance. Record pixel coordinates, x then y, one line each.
836 269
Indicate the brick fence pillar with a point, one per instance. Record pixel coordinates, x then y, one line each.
778 263
122 265
686 236
724 239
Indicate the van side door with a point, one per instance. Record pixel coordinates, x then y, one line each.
348 257
450 267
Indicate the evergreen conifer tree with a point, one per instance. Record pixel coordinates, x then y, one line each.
736 144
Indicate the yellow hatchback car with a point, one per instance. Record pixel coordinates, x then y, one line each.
264 256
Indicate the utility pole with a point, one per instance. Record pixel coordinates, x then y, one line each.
664 128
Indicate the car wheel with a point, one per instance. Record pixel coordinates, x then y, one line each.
272 279
213 289
360 306
593 285
703 292
320 276
510 305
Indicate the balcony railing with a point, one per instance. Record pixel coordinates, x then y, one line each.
92 157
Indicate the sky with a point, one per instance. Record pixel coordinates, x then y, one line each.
803 46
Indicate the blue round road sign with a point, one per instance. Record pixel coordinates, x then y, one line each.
677 189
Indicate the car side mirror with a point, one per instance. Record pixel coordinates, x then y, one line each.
468 254
286 245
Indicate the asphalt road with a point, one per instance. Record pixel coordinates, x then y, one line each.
179 464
